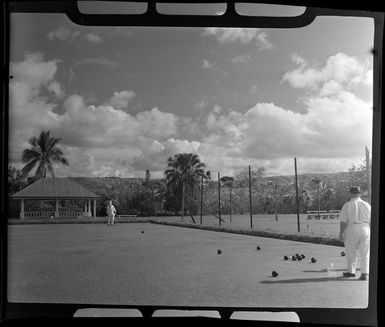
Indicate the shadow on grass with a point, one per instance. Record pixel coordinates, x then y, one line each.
259 233
324 270
309 280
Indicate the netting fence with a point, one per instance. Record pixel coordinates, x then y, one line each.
303 201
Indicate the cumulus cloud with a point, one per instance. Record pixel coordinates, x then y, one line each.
106 140
34 71
62 33
340 72
243 35
92 38
29 110
56 89
154 155
335 127
105 126
121 100
79 125
331 128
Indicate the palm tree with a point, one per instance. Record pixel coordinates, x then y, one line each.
43 153
183 173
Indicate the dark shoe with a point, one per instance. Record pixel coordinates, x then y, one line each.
363 277
348 274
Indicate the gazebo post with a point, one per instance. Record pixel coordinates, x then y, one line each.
94 208
89 208
56 208
22 209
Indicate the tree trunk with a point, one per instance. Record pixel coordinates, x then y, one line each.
182 200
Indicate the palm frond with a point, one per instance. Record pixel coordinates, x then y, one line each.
33 141
30 154
52 141
43 151
44 139
29 166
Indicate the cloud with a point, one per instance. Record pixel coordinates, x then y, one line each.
154 155
62 34
56 89
103 61
340 72
66 35
120 100
331 128
80 125
33 71
201 104
121 30
104 126
93 38
254 89
241 59
30 111
206 65
335 127
106 140
242 35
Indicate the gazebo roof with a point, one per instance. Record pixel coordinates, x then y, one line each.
54 188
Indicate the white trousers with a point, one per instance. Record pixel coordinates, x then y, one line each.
111 219
357 238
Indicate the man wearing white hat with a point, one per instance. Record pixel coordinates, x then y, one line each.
355 233
111 212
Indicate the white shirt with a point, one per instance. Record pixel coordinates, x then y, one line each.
355 211
111 210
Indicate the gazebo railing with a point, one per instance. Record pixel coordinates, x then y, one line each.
70 213
49 214
39 214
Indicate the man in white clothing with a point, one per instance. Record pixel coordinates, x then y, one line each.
111 212
355 233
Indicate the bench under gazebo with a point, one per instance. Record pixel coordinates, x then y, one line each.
57 189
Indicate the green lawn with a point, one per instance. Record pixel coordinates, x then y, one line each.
167 265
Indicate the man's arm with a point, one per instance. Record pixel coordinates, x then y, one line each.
343 221
342 230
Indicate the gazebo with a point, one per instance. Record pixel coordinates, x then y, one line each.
56 189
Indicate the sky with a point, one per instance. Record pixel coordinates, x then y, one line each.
124 99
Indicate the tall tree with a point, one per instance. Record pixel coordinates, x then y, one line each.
16 180
148 175
42 153
183 174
